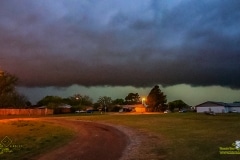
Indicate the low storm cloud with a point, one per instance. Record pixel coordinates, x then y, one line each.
119 43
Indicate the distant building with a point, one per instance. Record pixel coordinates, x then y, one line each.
139 108
218 107
64 108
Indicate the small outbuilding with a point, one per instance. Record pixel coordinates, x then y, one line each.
64 108
139 108
218 107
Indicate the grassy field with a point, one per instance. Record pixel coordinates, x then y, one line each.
29 137
188 136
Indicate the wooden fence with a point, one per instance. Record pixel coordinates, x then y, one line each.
36 111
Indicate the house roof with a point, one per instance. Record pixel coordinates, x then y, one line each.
64 106
134 106
212 103
42 107
206 104
237 104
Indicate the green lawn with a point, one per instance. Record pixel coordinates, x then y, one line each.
183 135
30 137
187 136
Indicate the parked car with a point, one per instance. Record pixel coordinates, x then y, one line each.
82 111
183 111
167 111
233 111
89 111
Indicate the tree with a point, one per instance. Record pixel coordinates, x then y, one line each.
79 102
9 97
116 104
156 100
50 101
87 101
118 101
177 104
133 98
105 102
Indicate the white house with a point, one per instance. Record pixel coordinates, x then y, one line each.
218 107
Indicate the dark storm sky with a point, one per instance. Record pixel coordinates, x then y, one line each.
121 43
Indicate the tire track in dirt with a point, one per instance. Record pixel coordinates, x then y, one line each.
93 141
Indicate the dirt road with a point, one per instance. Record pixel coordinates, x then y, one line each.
93 142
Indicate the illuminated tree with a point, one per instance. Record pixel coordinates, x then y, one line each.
156 100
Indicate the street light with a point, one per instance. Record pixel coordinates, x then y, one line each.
143 101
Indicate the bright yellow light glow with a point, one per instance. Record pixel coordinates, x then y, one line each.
143 100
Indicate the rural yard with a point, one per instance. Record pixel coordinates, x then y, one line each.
91 140
101 141
122 136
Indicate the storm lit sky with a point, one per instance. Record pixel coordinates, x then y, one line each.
190 48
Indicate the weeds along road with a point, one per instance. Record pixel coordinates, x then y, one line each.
93 141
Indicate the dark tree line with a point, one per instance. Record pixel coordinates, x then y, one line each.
132 98
9 97
177 104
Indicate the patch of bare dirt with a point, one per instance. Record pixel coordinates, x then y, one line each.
93 141
104 141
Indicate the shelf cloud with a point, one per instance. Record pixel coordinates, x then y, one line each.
121 43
